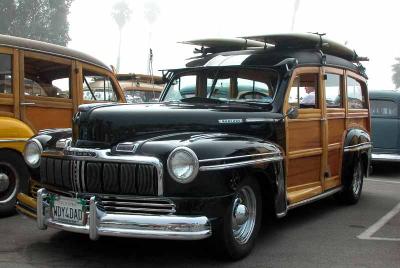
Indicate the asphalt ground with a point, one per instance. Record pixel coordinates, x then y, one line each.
322 234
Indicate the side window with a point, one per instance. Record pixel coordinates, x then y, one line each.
181 88
5 74
355 96
47 79
384 108
304 91
98 87
333 95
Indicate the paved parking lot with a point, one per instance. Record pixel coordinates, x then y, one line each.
323 234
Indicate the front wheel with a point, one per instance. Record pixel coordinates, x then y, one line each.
237 233
13 179
352 186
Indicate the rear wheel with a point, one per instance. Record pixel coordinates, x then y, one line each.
237 233
13 179
353 184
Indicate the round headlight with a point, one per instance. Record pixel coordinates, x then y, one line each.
32 153
183 165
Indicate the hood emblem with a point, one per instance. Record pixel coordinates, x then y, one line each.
79 152
127 147
230 121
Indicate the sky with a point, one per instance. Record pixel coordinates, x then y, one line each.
370 27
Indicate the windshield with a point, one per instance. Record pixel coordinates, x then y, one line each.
243 85
134 96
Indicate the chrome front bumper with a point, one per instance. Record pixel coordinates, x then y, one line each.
386 157
100 223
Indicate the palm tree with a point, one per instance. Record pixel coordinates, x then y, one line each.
121 14
396 73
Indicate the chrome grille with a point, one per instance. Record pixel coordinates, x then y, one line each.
137 205
99 177
34 188
118 204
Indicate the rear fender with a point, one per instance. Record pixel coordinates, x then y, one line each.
357 146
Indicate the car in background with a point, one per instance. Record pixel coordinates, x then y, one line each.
141 88
385 122
41 87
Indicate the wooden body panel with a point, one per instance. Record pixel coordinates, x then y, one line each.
55 117
304 148
315 140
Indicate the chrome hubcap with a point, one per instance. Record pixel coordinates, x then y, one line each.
8 182
244 214
357 179
4 182
240 214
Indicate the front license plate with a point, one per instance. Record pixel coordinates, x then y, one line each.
67 210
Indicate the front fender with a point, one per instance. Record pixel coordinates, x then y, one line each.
210 147
14 133
223 159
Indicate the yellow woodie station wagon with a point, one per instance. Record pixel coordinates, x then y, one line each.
41 86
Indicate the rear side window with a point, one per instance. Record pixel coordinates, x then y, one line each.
5 74
47 79
355 95
384 108
333 95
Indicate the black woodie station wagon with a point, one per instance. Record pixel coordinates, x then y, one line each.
253 124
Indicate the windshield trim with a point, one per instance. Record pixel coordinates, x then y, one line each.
179 72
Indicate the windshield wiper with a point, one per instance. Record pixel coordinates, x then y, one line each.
202 100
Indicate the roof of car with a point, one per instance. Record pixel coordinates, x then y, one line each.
42 47
271 57
385 94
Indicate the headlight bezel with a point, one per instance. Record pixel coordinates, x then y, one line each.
195 162
40 151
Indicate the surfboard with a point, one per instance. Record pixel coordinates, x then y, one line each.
306 41
213 45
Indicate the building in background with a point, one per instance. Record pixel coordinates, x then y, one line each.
140 87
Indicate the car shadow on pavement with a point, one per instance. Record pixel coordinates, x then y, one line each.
70 249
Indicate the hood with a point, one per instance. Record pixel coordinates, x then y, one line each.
105 125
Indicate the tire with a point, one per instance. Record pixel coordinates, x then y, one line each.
14 177
353 183
233 238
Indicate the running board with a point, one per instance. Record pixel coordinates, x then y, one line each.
315 198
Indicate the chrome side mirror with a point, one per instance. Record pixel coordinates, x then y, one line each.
292 113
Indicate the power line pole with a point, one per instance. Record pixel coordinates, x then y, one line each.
296 7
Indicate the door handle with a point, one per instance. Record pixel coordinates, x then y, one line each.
27 103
